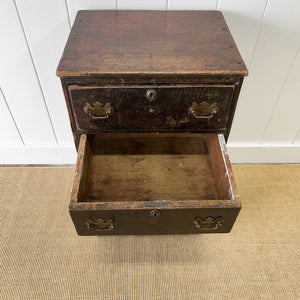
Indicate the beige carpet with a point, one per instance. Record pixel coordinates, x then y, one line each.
43 258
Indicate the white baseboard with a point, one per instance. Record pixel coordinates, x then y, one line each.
264 154
65 155
49 155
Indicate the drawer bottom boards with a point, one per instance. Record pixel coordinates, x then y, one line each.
153 184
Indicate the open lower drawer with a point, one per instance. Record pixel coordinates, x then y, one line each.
153 184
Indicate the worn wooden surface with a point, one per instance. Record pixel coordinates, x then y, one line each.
143 155
221 166
151 177
125 177
169 221
150 168
150 42
132 111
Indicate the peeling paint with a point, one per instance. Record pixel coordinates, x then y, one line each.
222 143
157 203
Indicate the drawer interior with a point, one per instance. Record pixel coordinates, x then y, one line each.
152 167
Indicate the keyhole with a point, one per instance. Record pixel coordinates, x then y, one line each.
151 95
154 213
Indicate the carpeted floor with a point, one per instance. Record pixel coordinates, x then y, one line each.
43 258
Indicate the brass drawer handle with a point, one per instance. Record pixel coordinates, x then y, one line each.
151 95
204 110
208 222
101 225
98 111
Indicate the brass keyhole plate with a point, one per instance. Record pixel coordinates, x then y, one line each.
151 94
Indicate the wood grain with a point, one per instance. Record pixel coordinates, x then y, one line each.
132 111
151 167
151 178
170 169
143 42
121 178
135 173
141 162
221 167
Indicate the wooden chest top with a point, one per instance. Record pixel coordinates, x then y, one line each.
104 43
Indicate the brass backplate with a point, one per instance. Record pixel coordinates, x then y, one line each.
101 225
204 110
98 110
208 222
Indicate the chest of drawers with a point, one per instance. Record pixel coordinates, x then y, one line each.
151 97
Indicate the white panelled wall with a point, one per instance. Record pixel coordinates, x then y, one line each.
33 117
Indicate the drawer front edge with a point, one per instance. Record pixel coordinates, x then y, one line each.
151 108
163 221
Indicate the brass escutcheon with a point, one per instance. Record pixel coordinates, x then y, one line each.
154 216
208 222
204 110
151 95
98 111
154 213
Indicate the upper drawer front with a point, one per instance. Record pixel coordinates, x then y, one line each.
151 108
